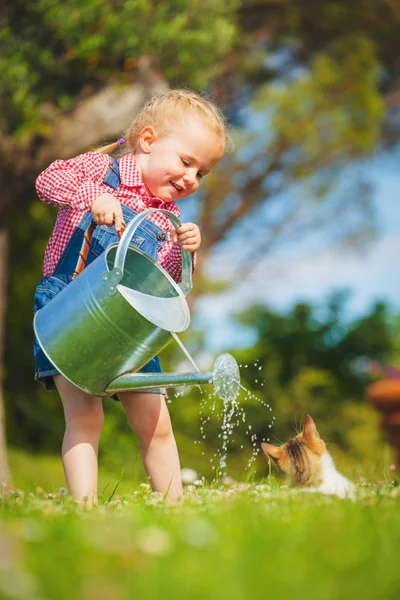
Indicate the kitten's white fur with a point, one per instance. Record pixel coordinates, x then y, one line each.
332 481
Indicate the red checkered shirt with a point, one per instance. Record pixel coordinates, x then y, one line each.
74 184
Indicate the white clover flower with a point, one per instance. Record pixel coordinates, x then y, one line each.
155 498
154 540
188 475
228 480
243 486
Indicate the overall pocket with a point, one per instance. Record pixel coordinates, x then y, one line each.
49 286
105 235
145 239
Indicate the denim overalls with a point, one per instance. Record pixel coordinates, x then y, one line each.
148 237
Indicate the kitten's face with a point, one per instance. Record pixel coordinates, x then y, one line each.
300 457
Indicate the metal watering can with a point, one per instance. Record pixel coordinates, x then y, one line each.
117 315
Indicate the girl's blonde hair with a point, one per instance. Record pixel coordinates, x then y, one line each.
165 111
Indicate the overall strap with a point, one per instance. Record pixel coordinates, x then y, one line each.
113 178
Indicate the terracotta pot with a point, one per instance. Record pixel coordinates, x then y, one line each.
385 396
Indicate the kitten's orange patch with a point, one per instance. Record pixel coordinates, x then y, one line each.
318 447
300 458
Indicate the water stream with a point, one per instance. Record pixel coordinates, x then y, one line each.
233 419
234 424
185 351
168 313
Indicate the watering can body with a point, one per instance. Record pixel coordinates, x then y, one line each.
115 316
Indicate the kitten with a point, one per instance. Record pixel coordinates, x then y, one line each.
307 463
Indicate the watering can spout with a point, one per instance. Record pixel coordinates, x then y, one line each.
225 377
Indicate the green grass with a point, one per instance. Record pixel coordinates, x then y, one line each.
252 541
46 471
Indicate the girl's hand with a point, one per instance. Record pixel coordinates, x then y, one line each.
187 236
106 210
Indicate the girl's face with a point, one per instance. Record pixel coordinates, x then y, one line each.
173 166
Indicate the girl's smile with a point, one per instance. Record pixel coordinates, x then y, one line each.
176 186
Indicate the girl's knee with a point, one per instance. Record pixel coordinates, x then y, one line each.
155 428
81 410
163 427
86 415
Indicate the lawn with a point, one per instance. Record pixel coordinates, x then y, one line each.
231 542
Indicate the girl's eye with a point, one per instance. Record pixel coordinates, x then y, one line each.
185 162
200 175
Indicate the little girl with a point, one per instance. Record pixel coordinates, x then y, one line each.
173 142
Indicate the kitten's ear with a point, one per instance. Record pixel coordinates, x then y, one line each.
309 430
272 451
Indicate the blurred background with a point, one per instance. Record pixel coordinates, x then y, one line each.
297 276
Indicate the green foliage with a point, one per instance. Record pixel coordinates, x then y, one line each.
52 51
34 416
40 471
395 328
319 337
332 111
119 452
318 24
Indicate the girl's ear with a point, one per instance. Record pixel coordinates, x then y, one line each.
146 138
272 451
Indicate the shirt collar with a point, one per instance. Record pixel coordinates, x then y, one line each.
129 173
131 177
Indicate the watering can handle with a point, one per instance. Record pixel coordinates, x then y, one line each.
186 283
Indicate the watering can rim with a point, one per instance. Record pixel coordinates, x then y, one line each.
125 242
176 286
154 262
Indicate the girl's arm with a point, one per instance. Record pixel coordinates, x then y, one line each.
76 182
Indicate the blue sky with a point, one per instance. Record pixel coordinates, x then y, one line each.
370 273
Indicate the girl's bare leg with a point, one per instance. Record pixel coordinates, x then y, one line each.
83 424
149 418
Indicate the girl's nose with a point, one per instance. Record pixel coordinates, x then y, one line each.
190 177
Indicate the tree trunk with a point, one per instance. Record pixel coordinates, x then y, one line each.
5 476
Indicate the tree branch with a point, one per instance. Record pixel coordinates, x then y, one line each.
101 117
